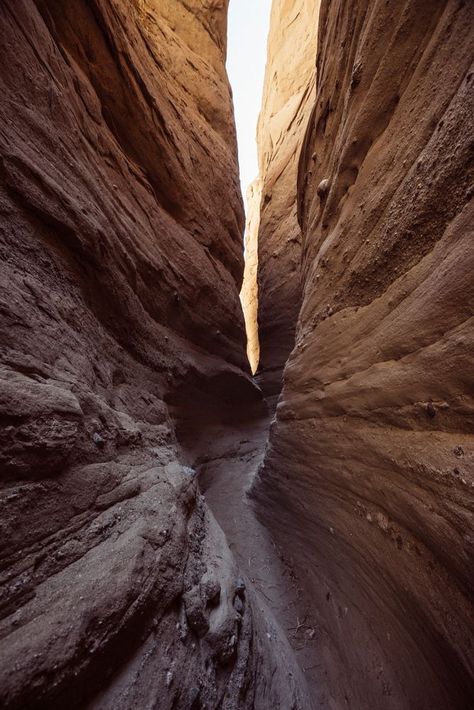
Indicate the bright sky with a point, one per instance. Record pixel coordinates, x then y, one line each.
248 26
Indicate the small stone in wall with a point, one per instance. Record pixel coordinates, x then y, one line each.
323 188
98 439
240 586
211 591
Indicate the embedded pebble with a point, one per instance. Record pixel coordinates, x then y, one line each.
98 439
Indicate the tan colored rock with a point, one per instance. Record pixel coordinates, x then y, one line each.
288 97
249 292
369 473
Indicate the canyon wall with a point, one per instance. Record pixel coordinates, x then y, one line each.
249 292
120 236
287 100
368 479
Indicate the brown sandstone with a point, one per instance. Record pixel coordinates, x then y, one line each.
287 101
249 292
130 428
369 473
119 288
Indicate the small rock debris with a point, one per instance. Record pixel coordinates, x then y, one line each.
239 586
323 188
98 439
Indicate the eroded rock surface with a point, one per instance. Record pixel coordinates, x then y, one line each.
369 474
120 237
123 371
287 101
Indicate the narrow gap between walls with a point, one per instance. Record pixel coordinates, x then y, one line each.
248 30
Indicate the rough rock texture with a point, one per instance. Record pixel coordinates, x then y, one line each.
369 474
119 287
287 101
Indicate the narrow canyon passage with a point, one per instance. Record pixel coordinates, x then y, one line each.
226 454
175 533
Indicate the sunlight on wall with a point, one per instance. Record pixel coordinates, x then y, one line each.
248 27
249 292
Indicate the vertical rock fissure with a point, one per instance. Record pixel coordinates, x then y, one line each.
272 288
169 534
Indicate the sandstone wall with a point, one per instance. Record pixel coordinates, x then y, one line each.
369 473
287 100
249 292
120 237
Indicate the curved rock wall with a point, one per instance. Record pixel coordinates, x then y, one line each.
121 255
369 473
287 100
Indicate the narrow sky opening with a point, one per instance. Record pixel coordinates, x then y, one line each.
248 26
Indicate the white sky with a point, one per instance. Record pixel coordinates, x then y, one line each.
248 26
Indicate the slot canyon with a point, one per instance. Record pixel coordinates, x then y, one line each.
180 529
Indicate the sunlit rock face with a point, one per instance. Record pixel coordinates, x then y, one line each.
369 473
121 241
288 97
249 292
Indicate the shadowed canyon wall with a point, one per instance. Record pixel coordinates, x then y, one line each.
119 288
122 344
287 100
369 471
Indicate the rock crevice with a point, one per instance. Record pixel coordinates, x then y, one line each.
153 552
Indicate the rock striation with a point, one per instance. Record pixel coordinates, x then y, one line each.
369 473
119 287
288 97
